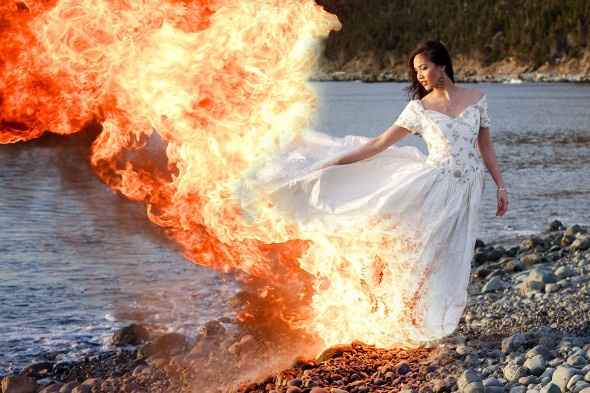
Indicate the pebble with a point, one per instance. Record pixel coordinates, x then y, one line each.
564 272
492 382
474 387
513 265
166 344
37 370
403 368
18 384
573 380
550 388
468 377
68 387
133 334
463 349
514 342
530 288
548 373
213 328
580 244
52 388
555 362
542 275
528 380
555 225
539 350
573 230
82 389
561 377
536 365
512 372
494 284
577 360
295 382
518 389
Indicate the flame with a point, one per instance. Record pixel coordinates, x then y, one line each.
220 86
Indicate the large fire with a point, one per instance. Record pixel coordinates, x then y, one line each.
221 84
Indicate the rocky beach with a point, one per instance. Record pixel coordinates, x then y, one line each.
526 329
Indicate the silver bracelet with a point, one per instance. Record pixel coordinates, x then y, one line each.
501 188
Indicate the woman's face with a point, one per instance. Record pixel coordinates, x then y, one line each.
427 72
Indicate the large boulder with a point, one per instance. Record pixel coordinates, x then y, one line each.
555 225
168 344
133 334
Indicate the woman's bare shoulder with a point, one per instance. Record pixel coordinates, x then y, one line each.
472 93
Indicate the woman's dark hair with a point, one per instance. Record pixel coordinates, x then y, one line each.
437 53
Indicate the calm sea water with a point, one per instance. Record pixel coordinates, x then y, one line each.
77 261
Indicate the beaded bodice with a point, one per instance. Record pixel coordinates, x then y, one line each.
451 141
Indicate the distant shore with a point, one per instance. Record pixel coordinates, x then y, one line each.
388 76
467 70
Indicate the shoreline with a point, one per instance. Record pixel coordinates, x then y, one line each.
526 328
386 77
467 69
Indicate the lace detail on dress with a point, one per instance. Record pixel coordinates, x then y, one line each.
452 141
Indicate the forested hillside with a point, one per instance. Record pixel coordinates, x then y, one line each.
530 33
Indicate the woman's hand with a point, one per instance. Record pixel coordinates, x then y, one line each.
502 197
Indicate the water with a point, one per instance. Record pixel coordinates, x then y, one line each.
77 261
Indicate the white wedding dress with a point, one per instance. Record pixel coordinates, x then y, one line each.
432 201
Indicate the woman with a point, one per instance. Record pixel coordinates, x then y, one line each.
432 201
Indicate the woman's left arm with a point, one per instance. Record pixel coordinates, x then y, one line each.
488 154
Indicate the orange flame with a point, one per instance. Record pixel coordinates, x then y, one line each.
221 85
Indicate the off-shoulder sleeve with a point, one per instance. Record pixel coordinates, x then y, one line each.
484 117
409 118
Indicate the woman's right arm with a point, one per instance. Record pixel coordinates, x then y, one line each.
373 146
